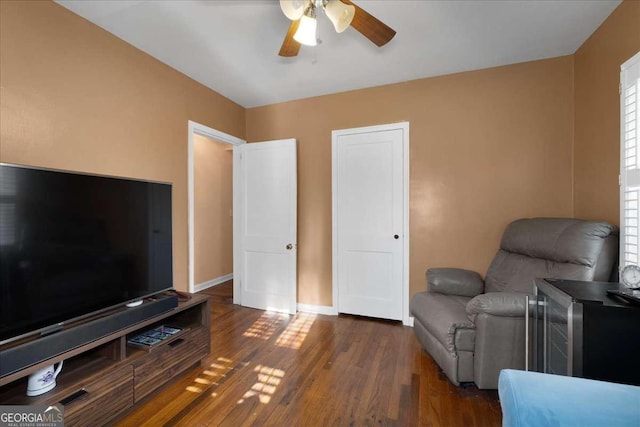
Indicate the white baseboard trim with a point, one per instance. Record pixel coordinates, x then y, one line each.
318 309
213 282
331 311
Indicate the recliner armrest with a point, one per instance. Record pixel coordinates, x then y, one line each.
454 281
505 304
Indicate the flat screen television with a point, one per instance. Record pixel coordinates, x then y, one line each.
72 245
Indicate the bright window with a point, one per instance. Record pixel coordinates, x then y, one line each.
629 161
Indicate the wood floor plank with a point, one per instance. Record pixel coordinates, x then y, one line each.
266 369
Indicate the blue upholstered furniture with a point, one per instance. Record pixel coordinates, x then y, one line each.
541 400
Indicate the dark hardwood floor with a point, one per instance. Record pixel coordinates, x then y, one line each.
312 370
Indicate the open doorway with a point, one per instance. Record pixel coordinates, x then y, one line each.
213 213
211 225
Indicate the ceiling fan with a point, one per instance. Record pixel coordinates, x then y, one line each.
342 13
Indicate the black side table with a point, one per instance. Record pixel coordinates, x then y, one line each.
579 330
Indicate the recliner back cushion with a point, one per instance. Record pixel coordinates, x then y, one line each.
514 272
560 248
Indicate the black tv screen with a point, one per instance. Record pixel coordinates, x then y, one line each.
74 244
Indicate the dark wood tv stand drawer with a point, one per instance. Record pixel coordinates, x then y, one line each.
100 400
169 359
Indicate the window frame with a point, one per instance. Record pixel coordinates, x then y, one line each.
629 178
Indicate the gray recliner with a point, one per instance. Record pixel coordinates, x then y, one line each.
472 327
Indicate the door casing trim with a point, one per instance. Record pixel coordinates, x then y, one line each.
202 130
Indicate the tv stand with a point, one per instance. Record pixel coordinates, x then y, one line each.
105 378
16 356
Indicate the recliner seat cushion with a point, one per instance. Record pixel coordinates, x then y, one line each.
445 317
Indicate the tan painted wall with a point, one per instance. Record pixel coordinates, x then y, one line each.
597 112
75 97
213 184
487 147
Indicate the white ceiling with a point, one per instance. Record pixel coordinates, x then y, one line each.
232 46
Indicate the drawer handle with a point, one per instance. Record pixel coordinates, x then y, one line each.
176 342
77 395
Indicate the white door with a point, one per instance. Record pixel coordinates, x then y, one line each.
267 209
369 220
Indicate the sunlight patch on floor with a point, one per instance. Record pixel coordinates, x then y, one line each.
211 375
268 381
296 332
265 326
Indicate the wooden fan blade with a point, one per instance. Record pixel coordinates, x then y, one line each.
370 26
290 47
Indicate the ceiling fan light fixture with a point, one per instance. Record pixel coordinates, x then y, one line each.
293 9
306 33
339 13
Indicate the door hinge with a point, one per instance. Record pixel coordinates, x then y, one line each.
619 180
